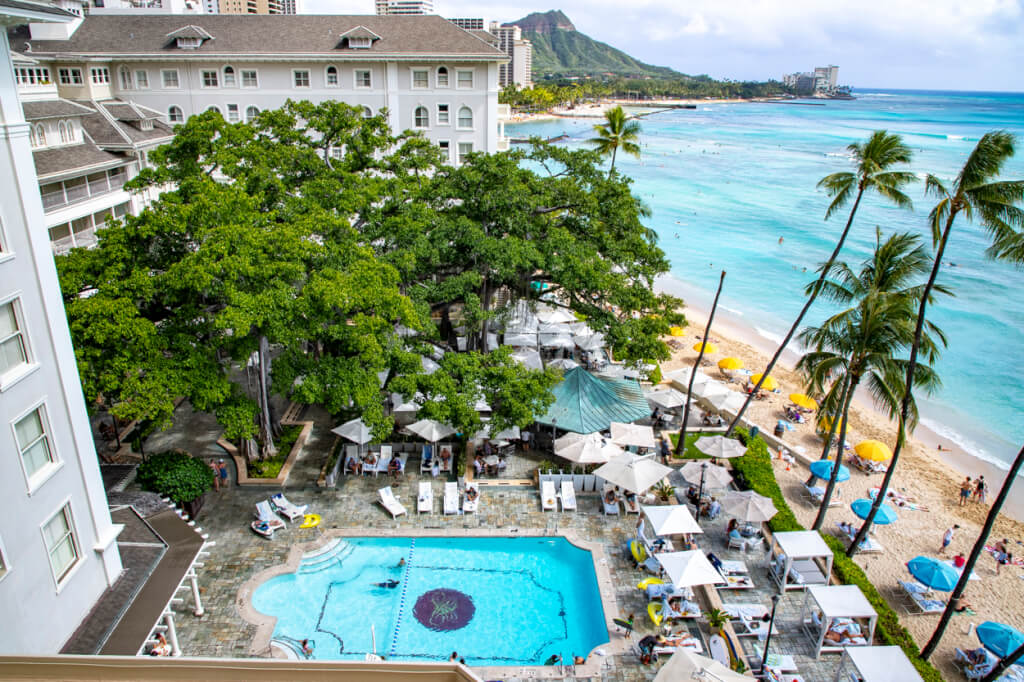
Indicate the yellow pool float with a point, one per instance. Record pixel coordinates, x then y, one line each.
642 585
654 610
310 521
638 551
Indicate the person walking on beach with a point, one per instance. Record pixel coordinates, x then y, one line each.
980 488
947 538
965 491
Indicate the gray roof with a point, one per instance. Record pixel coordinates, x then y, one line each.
119 127
189 31
65 160
147 35
53 108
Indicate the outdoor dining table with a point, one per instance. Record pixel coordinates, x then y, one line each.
492 464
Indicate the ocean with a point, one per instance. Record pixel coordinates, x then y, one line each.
726 181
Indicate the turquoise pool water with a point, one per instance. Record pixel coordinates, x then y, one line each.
495 601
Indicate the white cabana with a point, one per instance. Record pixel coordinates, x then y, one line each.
591 448
876 664
714 475
720 447
563 363
666 398
633 473
686 569
794 559
354 430
710 389
633 434
430 430
687 665
521 340
724 402
671 520
680 378
529 359
844 610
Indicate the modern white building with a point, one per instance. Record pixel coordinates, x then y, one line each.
429 74
58 551
518 70
385 7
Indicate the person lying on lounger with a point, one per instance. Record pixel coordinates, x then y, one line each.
471 494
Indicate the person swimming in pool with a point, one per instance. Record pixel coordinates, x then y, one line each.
389 584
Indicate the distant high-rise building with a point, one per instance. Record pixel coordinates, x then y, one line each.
251 6
823 80
518 70
385 7
468 23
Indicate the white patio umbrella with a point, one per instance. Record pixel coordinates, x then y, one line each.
666 399
686 569
593 341
714 475
529 359
403 405
382 377
686 665
563 340
710 389
429 365
730 401
555 315
674 519
720 446
591 448
633 473
521 340
633 434
749 506
681 377
563 363
354 430
430 430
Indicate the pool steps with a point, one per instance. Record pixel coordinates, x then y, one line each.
401 597
324 557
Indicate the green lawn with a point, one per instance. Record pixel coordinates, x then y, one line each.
270 468
690 452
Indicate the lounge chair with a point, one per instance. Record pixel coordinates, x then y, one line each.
920 598
816 494
425 501
975 671
568 496
281 504
351 452
547 496
869 545
390 502
451 498
470 505
446 468
609 507
426 459
631 507
266 520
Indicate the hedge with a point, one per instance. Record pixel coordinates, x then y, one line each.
754 471
175 474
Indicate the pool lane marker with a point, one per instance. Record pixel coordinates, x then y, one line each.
401 598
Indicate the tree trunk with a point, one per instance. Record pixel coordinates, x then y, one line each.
979 547
830 488
1004 664
263 398
803 311
865 527
681 445
611 168
485 303
834 426
117 431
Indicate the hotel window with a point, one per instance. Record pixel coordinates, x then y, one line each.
213 107
362 79
174 114
126 78
70 76
33 75
141 79
420 78
446 150
442 77
465 79
61 543
100 75
170 78
62 130
465 117
301 78
443 115
233 113
13 349
210 79
465 149
250 79
229 76
367 113
421 119
31 434
332 77
251 113
37 135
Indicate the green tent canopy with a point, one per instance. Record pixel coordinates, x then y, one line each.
585 403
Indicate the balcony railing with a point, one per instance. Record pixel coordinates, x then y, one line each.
74 194
86 238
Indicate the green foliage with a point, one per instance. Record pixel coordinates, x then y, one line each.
545 466
271 466
655 375
754 472
690 451
663 491
175 474
717 618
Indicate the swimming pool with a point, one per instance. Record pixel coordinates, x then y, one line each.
495 601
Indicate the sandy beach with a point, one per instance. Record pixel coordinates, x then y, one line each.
922 475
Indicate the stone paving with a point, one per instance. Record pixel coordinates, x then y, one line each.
239 554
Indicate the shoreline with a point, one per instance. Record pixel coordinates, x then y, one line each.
597 109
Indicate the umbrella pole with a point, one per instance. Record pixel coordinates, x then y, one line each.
700 493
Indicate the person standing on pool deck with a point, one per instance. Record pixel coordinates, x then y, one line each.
223 469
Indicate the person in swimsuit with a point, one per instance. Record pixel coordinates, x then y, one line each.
389 584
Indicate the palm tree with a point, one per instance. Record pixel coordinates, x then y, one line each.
1004 664
873 161
618 131
861 343
681 445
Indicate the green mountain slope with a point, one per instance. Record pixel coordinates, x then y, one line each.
559 49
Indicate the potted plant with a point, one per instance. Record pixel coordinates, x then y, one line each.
716 620
663 491
179 476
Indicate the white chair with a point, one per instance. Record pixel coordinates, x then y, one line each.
547 496
470 505
737 543
266 520
611 508
292 511
426 458
451 498
351 452
425 501
391 503
568 496
446 467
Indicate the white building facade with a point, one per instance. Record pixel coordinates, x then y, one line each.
519 69
57 543
385 7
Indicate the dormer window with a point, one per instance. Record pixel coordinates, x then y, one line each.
189 37
362 43
189 43
358 38
146 124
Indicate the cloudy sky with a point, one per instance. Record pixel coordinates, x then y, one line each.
936 44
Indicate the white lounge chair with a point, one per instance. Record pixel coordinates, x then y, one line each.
547 496
281 504
470 505
451 498
266 520
568 496
351 453
391 503
426 458
609 507
425 501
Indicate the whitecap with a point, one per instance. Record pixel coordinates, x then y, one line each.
964 443
734 311
774 338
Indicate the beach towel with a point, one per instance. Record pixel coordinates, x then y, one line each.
1017 561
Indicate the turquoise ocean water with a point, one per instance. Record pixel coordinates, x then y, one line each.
725 181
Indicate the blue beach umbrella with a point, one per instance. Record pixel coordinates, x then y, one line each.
1002 640
862 508
823 469
933 573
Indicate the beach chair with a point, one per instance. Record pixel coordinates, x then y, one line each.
391 503
451 498
426 459
470 505
446 468
547 496
816 494
869 546
281 504
425 500
568 496
631 507
384 459
611 508
266 520
920 599
351 452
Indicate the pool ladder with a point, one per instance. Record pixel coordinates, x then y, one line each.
401 597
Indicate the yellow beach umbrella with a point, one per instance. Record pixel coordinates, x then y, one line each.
804 401
769 383
730 363
874 450
675 331
708 347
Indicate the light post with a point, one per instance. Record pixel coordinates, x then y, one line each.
768 637
554 431
700 491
